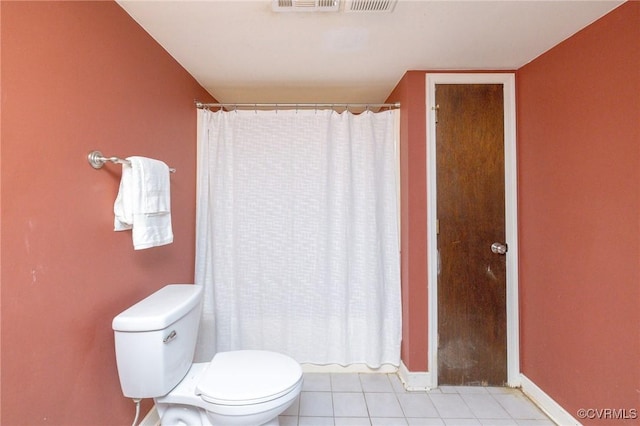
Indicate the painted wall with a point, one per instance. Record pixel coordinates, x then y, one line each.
579 208
80 76
410 92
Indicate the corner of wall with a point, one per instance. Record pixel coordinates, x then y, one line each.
410 93
415 381
547 404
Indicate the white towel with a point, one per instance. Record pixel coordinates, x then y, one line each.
143 203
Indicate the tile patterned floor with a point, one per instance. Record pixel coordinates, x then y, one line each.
347 399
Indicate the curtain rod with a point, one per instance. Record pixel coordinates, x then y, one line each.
296 106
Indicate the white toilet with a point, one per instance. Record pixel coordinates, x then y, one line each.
155 342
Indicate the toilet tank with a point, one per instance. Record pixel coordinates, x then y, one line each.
155 340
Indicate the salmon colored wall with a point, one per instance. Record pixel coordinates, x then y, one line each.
410 92
80 76
579 207
0 217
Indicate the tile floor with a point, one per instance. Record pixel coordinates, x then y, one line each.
348 399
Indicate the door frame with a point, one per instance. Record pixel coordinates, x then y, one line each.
511 215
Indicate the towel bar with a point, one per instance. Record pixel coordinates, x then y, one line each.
97 160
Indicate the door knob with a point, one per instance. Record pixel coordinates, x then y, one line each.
499 248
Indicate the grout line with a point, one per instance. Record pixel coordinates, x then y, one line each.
452 390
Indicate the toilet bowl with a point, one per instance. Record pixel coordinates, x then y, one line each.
213 396
155 343
235 388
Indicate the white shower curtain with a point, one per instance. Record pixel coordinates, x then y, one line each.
297 235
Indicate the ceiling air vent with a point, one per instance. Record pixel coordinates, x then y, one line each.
305 5
370 5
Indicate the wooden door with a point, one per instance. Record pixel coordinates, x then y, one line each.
471 217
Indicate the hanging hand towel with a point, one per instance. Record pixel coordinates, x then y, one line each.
143 203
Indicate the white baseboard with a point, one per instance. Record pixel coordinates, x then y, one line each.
554 410
414 381
151 419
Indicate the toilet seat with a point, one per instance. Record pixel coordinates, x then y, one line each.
248 377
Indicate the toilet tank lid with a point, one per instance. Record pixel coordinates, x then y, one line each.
160 309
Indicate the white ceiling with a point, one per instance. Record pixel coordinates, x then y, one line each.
242 51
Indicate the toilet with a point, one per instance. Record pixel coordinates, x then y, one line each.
155 341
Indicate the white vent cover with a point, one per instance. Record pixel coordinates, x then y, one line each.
370 5
333 5
305 5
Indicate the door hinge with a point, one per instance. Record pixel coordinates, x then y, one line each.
435 112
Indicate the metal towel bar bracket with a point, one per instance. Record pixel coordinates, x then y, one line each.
97 160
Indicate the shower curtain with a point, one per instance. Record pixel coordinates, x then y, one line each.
297 243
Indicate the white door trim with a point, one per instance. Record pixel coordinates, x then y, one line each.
511 213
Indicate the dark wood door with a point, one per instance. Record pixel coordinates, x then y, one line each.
471 217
